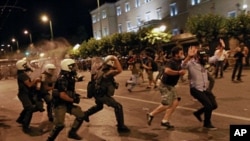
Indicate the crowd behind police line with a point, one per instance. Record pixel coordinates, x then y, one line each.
64 98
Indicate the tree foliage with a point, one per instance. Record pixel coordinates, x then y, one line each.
206 27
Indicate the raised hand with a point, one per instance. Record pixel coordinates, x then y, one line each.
192 51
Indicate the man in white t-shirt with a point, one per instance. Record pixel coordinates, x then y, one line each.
221 55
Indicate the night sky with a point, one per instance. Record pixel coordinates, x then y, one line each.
66 15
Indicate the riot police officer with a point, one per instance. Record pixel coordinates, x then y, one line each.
25 86
48 79
63 99
110 68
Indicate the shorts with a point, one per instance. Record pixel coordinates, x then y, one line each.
168 94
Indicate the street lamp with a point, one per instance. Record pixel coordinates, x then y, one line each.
14 40
45 18
26 32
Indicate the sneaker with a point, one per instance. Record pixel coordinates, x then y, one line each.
167 124
239 80
123 129
149 119
73 135
198 116
210 127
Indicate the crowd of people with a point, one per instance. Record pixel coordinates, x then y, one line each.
57 90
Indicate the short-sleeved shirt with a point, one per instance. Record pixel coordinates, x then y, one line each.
171 79
22 88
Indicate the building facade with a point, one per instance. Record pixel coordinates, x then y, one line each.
130 15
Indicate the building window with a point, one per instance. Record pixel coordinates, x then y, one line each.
175 31
94 18
118 11
232 14
105 31
139 21
119 28
98 17
95 34
147 16
127 7
195 2
129 26
104 14
137 3
159 14
173 9
147 1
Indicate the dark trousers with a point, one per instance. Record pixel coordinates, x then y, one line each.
238 66
109 101
219 67
207 99
28 109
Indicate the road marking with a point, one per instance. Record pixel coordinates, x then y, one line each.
180 107
189 109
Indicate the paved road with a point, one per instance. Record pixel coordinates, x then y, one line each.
233 100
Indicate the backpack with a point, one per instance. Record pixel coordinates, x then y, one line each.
100 86
154 66
93 87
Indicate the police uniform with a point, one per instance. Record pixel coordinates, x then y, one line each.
65 84
47 80
105 96
24 95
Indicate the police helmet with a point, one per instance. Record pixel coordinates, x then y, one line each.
67 64
108 60
49 67
21 64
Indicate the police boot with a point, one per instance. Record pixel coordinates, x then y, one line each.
76 125
121 128
26 121
54 133
21 117
73 135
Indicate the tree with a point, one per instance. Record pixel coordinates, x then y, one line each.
207 28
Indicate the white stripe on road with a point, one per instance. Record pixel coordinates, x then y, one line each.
189 109
180 107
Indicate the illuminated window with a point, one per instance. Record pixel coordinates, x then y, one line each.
195 2
175 31
94 18
173 9
232 14
127 7
147 16
128 26
159 13
104 14
118 11
137 3
119 28
105 31
139 21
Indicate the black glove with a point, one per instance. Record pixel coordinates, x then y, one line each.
76 99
